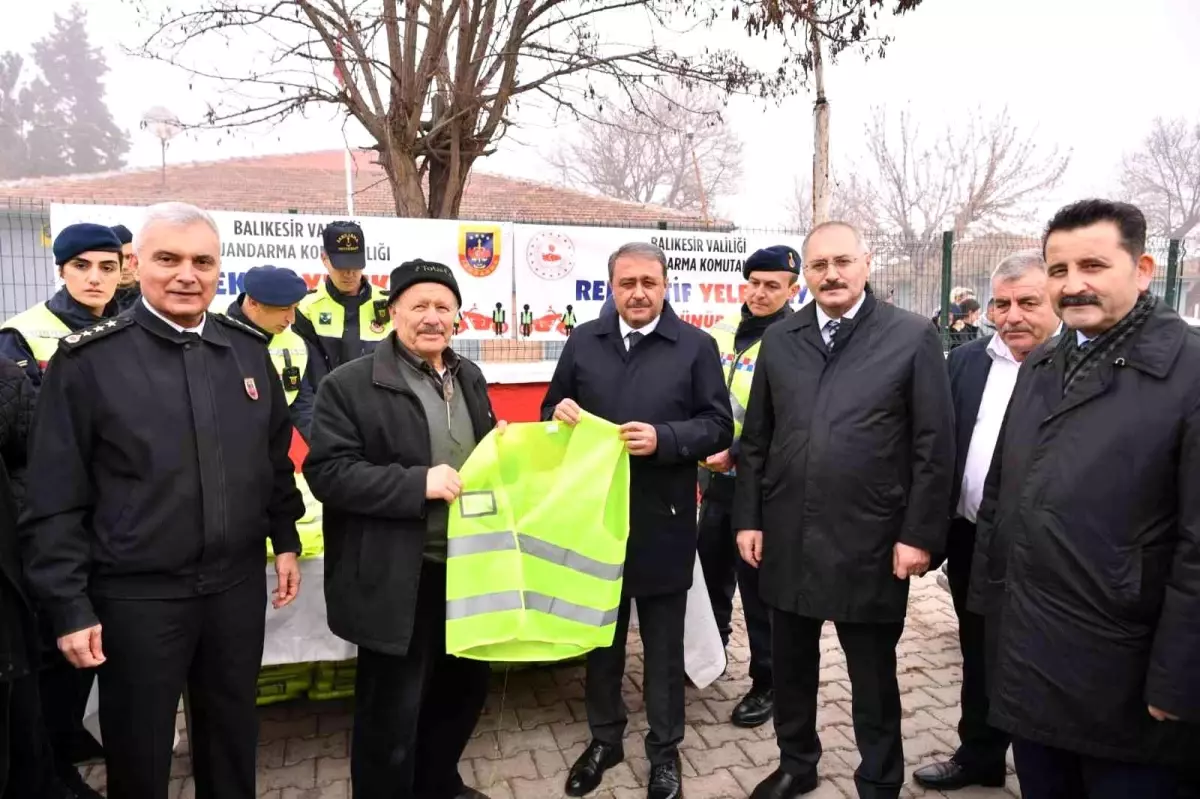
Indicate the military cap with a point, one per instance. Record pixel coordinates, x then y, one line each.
274 285
345 245
123 233
779 258
411 273
74 240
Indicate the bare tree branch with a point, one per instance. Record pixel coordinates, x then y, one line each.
970 180
1163 177
436 83
850 200
650 151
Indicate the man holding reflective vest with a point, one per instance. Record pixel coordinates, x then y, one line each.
772 275
89 263
660 379
268 305
345 317
389 433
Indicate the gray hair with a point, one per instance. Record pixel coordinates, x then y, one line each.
174 214
858 236
1017 264
638 249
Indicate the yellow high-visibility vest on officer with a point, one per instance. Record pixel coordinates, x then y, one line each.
269 305
89 263
346 316
772 275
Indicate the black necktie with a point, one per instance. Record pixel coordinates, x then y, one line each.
634 337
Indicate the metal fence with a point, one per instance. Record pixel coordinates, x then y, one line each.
917 274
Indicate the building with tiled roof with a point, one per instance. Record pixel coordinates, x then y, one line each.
315 183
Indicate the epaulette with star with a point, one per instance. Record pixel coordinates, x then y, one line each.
236 325
95 332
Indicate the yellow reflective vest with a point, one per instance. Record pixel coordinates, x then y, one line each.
288 350
328 317
738 366
312 539
536 543
41 330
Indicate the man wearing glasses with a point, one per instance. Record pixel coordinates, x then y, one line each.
844 477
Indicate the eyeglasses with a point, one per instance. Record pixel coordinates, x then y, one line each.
842 262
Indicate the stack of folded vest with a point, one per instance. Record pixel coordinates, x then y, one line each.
282 683
334 680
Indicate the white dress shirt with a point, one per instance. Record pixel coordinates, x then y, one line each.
823 319
1001 380
198 329
645 329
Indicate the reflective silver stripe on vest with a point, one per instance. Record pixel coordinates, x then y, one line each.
502 601
478 544
739 412
543 550
571 559
725 327
484 603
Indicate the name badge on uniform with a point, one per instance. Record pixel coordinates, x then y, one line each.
291 378
251 389
381 316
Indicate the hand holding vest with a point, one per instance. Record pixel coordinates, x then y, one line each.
536 543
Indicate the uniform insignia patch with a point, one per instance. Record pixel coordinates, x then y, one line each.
95 332
251 389
325 318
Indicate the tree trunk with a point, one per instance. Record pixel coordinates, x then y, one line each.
820 180
405 180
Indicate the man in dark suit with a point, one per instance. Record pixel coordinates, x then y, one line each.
843 483
661 380
982 375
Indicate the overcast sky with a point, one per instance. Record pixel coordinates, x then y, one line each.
1088 75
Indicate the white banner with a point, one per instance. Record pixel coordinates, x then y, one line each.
561 268
478 252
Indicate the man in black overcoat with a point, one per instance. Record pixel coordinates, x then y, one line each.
843 483
661 380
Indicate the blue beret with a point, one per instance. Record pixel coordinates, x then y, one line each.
275 286
779 258
74 240
123 234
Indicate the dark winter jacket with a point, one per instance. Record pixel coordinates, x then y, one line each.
367 463
18 630
1088 550
842 456
672 379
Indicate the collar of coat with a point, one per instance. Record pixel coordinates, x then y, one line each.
668 324
1152 350
213 333
807 315
386 363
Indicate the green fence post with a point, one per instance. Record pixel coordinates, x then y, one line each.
1172 273
947 281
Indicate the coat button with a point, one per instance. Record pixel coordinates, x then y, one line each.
684 451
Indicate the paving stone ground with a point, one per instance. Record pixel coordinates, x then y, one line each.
535 726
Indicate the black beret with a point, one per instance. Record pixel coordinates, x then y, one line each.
345 245
779 258
74 240
123 234
275 286
411 273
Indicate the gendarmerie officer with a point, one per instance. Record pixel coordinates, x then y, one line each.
89 263
158 470
268 305
128 292
772 277
346 316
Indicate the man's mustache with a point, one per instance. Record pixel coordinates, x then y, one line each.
433 330
837 284
1016 329
1078 300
